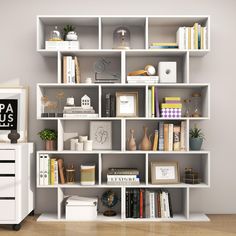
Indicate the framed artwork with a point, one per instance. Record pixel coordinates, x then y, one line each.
164 172
101 134
127 104
13 112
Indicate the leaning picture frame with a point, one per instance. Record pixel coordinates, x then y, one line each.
19 93
126 104
165 172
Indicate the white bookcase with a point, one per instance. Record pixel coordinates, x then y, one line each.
96 35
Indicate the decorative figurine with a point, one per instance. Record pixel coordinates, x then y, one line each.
131 143
145 144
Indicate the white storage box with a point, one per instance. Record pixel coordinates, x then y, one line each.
81 208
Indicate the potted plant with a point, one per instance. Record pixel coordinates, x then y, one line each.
49 136
196 138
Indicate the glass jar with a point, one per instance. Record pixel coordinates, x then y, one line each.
121 38
55 35
187 112
70 175
196 103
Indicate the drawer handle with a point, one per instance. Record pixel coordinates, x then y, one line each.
7 175
7 198
5 161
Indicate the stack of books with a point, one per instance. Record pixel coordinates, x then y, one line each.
71 70
171 108
170 137
192 37
144 203
79 112
163 46
143 79
61 45
153 103
51 170
123 176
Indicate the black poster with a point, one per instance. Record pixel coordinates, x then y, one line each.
8 114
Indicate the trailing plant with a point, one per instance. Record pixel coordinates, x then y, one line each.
67 29
48 134
196 133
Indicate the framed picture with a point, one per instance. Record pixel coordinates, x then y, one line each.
127 104
164 172
13 112
101 134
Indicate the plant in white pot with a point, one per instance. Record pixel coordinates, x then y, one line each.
49 136
195 138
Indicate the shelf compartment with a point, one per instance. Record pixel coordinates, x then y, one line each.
123 161
199 162
137 60
185 91
87 60
136 26
179 202
89 192
74 128
164 28
86 27
112 89
77 92
152 125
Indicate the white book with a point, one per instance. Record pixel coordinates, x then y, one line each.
205 38
41 169
162 204
73 71
170 136
180 37
135 78
125 178
165 214
167 205
56 172
62 45
147 204
149 103
183 135
192 37
123 182
185 37
80 115
152 205
69 74
46 169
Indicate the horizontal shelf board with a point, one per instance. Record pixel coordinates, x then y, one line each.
155 52
124 20
53 217
93 53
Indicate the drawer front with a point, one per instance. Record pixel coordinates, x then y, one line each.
7 210
7 168
7 186
7 154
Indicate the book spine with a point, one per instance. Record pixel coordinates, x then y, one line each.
159 205
41 169
164 205
127 201
155 141
153 101
108 105
199 36
152 205
135 204
189 37
180 37
52 171
64 70
73 71
61 171
170 136
157 103
55 172
202 37
167 205
77 70
185 38
113 105
195 36
131 204
176 138
170 205
68 69
141 203
183 136
149 103
166 137
147 204
46 159
161 136
205 38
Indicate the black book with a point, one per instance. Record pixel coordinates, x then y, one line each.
113 106
108 105
127 202
131 203
170 205
136 203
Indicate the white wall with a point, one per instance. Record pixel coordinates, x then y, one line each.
20 62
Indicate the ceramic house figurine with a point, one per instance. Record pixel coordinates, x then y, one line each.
85 102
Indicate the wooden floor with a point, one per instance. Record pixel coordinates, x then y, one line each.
224 225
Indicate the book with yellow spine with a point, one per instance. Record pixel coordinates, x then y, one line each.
172 99
171 105
195 36
52 170
155 141
153 101
189 37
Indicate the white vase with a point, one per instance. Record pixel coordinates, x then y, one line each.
88 145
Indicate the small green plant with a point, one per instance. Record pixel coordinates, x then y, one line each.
48 134
67 29
196 133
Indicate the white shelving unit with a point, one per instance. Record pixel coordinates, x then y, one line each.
95 35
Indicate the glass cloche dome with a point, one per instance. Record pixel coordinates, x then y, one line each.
121 38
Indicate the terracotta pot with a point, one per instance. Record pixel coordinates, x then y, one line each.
49 145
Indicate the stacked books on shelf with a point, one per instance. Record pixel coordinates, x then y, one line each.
141 79
144 203
110 105
163 46
51 170
71 70
79 112
171 108
192 37
123 176
52 45
170 137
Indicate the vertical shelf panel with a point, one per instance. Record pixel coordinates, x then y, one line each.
60 198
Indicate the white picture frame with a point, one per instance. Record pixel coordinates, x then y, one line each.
21 94
101 134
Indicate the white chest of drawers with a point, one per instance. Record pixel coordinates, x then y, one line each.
17 182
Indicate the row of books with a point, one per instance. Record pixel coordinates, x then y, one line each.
144 203
110 105
123 176
192 37
170 137
71 70
51 170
